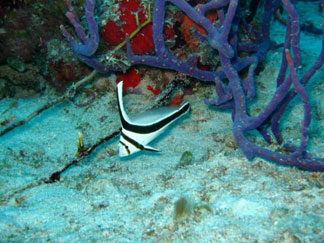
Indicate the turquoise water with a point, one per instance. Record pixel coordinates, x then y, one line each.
103 198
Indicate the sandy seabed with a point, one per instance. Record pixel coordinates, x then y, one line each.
105 198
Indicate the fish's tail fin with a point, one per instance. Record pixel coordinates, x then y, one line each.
151 149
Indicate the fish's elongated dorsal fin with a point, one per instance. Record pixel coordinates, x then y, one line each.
151 126
122 113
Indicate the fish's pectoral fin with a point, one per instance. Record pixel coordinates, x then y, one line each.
151 149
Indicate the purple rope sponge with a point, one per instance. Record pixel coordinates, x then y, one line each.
223 36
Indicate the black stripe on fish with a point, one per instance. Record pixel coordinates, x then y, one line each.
136 144
125 146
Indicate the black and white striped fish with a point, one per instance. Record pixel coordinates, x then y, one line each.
137 133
